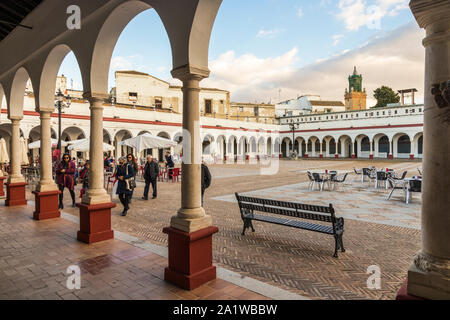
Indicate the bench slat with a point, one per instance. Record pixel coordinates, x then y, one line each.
294 224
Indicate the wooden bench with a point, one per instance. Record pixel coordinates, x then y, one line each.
248 205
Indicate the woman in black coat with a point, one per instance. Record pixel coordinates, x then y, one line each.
124 172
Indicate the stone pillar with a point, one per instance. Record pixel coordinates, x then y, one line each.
46 193
321 149
190 232
413 149
390 149
95 206
15 187
353 150
307 149
429 274
300 148
371 149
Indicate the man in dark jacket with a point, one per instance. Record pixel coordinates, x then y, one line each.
206 179
151 172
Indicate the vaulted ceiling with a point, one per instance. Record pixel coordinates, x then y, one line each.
12 12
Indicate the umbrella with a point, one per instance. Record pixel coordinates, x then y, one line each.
84 144
147 141
37 144
23 147
4 158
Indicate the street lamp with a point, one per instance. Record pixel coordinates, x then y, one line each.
293 127
59 105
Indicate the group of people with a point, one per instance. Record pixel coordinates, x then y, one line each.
125 174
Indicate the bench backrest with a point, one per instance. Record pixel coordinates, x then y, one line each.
292 209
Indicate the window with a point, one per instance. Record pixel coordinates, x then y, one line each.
395 112
406 111
132 96
208 106
255 111
158 102
357 115
420 109
241 109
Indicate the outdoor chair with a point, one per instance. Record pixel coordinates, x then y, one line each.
381 176
420 171
396 185
311 179
412 186
373 177
110 179
402 177
320 181
339 180
175 174
365 172
357 173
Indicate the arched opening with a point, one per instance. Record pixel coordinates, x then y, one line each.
122 135
383 147
269 146
403 147
162 152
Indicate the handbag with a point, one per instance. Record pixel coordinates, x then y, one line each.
131 182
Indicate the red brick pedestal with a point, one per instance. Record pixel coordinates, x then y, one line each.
391 157
95 222
336 156
371 157
190 257
46 205
402 294
15 194
411 157
353 156
321 156
2 190
306 156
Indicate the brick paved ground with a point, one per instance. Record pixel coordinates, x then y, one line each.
34 257
292 259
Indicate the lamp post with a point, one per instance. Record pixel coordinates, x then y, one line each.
59 105
293 127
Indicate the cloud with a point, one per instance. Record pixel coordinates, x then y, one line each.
300 12
268 33
337 38
395 60
358 13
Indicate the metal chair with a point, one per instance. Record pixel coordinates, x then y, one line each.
357 173
311 179
412 186
365 172
381 176
317 178
396 184
339 179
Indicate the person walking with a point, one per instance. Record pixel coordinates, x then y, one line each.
206 179
151 172
132 161
65 172
124 172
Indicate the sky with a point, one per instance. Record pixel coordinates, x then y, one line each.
271 50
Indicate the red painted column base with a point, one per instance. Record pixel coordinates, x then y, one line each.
402 294
353 156
336 156
46 205
95 222
371 157
2 190
306 156
321 156
15 194
190 257
391 156
411 157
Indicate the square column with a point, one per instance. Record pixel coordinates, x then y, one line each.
15 187
190 232
46 193
96 205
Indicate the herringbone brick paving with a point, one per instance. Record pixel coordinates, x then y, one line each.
35 255
293 259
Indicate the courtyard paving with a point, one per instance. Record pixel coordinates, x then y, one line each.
377 232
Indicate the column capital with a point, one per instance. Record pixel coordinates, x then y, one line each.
94 97
428 12
190 72
15 119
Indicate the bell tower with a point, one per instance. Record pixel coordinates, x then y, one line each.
355 95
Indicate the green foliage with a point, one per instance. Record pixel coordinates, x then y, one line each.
384 96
